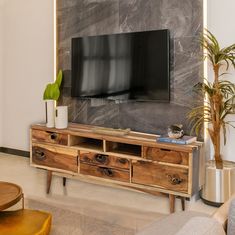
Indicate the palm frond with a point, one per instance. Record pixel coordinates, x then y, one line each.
214 53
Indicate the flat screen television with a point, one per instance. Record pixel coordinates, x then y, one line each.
131 66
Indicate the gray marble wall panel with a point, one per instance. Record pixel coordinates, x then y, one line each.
184 19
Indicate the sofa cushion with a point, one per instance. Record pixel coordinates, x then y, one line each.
201 226
184 223
231 219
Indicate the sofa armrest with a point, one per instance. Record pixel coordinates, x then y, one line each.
221 215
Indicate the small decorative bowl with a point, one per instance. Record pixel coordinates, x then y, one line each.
175 131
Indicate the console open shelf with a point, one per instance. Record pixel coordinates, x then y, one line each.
123 148
86 143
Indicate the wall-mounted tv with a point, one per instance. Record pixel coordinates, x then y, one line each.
131 66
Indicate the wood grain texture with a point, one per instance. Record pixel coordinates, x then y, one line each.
171 178
104 172
49 137
55 157
10 194
165 155
119 184
104 160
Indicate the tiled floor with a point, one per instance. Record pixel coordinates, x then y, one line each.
87 197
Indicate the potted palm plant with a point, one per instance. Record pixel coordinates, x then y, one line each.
52 94
219 97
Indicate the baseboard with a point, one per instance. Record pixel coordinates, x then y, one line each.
15 152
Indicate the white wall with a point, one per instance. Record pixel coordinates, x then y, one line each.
221 19
28 67
1 64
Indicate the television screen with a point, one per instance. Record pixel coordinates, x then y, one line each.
122 66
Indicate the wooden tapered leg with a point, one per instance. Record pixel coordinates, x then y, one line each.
64 181
182 203
49 178
172 203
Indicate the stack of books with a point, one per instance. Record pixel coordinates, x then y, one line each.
183 140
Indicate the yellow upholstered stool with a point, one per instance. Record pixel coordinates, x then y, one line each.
25 222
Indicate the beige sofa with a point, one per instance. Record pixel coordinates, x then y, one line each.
193 223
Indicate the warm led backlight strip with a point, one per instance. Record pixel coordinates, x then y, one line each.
55 39
205 67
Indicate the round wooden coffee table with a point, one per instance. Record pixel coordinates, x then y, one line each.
10 194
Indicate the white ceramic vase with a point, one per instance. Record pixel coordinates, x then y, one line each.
61 117
50 113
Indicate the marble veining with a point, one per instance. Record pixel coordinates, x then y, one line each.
184 19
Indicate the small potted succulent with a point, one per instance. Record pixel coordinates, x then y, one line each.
52 94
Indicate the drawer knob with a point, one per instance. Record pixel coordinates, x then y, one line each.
101 158
40 155
174 179
53 136
107 171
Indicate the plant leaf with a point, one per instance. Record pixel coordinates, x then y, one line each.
52 91
46 95
59 78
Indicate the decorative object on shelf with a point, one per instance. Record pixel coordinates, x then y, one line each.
219 103
52 94
175 131
61 117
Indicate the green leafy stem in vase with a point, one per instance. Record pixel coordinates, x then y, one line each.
52 91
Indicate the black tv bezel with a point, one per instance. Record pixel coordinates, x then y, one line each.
74 95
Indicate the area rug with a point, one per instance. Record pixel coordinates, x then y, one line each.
67 222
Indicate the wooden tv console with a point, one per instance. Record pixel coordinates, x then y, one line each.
135 160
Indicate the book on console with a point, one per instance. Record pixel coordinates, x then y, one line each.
183 140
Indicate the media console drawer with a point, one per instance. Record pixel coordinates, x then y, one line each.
165 155
154 174
105 172
104 160
49 137
55 157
